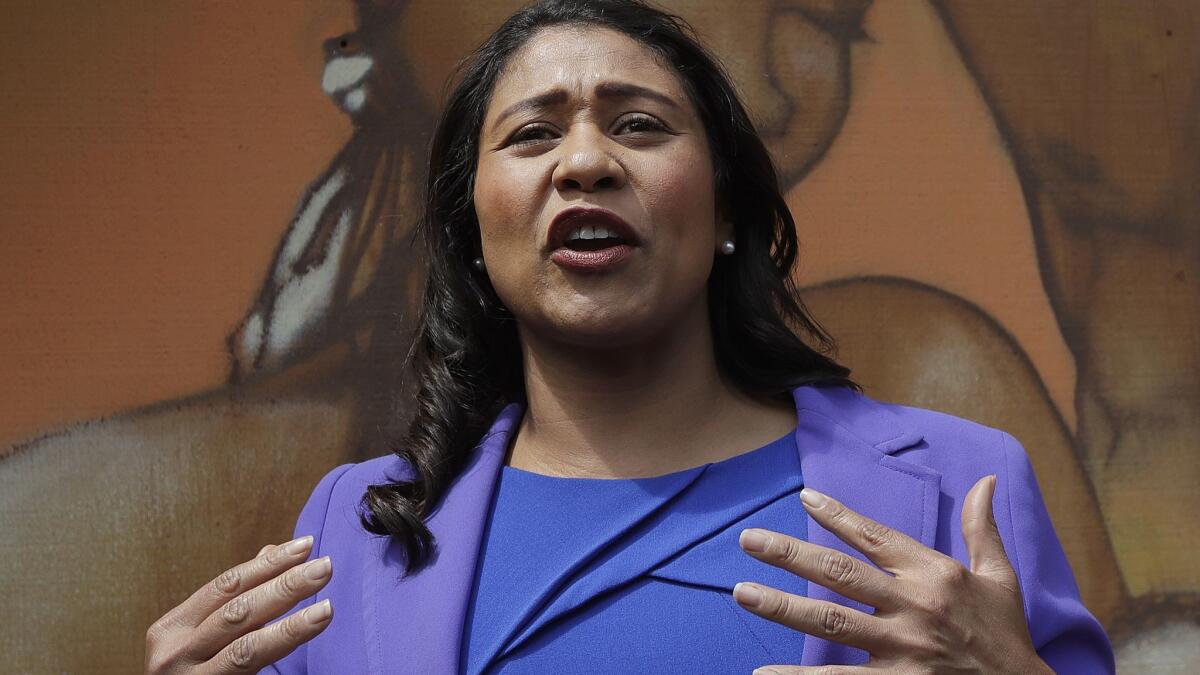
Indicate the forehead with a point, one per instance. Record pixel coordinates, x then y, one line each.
575 58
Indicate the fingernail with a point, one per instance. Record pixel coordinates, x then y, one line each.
317 569
300 545
813 498
747 595
754 540
765 671
318 612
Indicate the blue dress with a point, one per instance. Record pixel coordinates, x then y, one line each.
586 575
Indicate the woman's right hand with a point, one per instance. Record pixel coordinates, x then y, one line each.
219 629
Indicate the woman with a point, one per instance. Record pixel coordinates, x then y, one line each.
609 393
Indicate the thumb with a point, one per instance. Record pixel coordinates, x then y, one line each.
984 546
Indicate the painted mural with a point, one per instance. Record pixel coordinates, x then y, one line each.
997 204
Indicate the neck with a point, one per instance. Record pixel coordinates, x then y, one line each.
643 410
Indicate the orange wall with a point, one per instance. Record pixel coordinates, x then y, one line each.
150 156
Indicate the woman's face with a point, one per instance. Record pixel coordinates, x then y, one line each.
587 117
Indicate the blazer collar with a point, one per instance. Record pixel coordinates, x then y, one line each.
418 622
845 441
847 444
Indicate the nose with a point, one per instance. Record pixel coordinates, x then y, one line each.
587 165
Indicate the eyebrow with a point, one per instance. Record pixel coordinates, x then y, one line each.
604 90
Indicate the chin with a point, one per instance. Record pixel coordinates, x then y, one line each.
608 327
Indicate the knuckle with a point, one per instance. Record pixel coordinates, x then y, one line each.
228 582
236 611
156 663
838 514
240 655
780 604
875 534
162 650
157 660
833 621
289 629
950 572
293 629
837 568
162 654
157 632
974 527
289 584
788 551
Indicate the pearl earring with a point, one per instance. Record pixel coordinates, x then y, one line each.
727 247
478 262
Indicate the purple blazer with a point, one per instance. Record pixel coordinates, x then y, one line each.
905 467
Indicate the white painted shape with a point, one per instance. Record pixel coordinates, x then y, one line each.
355 99
344 72
305 299
305 225
251 337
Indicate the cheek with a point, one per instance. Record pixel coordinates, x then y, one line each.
683 203
506 205
503 207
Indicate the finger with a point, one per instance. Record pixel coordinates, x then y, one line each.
984 546
267 645
236 580
832 569
827 620
256 607
891 549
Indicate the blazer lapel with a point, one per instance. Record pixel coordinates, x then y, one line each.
418 621
845 443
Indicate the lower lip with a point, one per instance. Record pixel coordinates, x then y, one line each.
591 261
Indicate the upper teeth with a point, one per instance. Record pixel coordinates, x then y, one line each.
591 232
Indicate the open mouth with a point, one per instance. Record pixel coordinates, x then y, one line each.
593 240
592 249
590 240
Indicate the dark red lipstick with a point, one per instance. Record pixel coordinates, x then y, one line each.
595 254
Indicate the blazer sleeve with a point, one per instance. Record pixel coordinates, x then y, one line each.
311 521
1064 632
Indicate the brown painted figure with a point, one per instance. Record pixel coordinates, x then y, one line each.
1111 189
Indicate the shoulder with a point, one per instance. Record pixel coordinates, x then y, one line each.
335 505
353 479
331 513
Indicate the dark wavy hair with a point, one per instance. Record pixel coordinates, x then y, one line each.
466 361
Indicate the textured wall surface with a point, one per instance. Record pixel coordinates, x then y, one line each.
204 217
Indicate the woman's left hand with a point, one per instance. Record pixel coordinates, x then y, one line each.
932 614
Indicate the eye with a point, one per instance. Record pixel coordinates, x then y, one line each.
641 124
530 135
